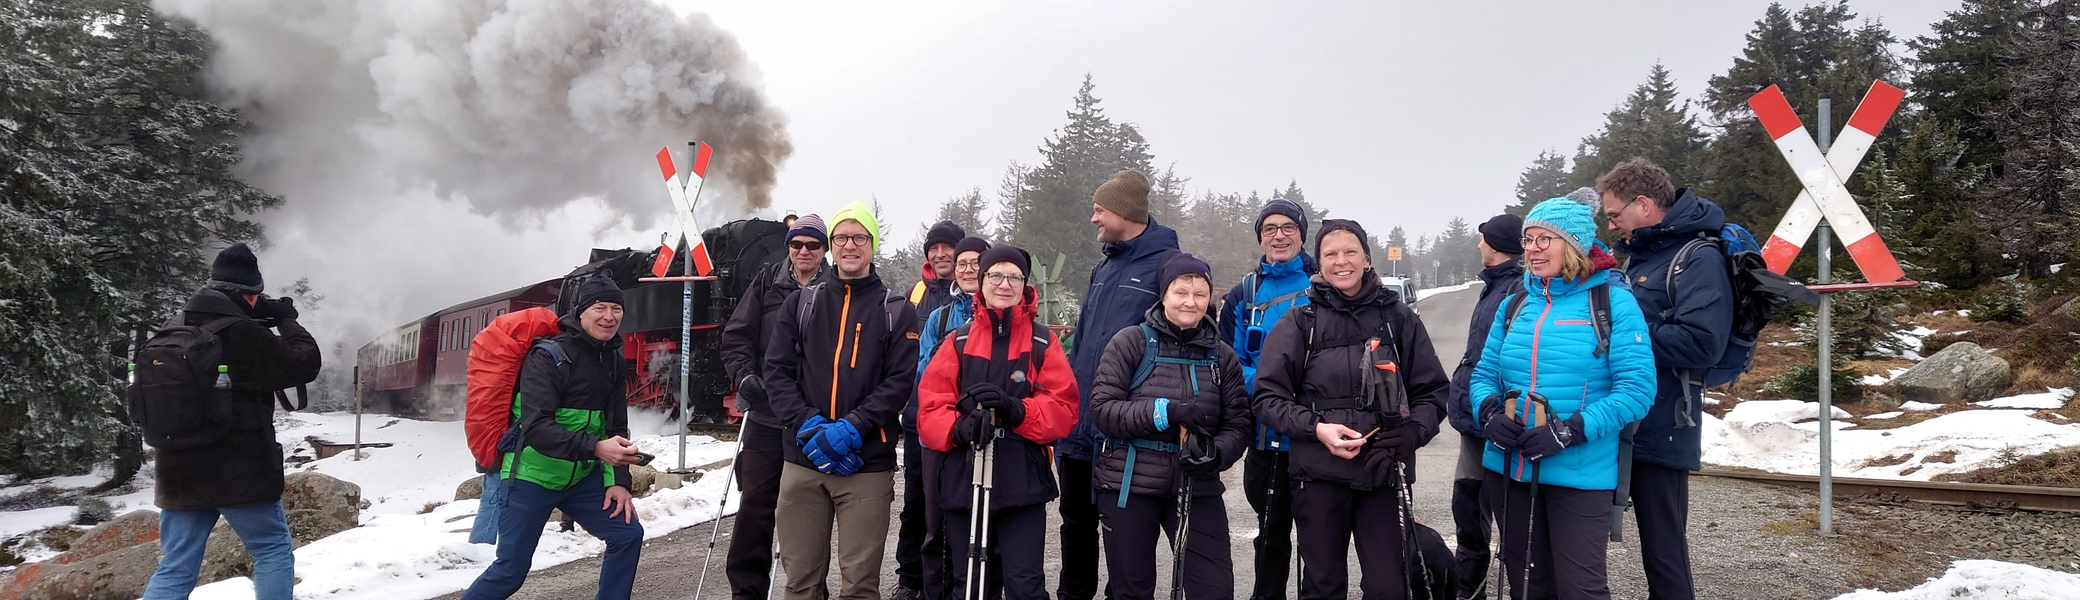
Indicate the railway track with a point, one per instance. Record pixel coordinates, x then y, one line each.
1977 495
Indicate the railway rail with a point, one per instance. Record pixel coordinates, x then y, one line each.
1977 495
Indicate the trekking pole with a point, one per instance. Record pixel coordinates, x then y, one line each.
1184 519
1408 534
978 516
727 480
1535 414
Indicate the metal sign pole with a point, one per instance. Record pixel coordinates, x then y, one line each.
1826 343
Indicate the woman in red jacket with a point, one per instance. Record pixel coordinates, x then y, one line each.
1001 379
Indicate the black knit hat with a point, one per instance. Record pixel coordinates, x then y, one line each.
1179 265
1008 253
1504 233
236 270
1329 225
945 232
597 289
1285 207
970 244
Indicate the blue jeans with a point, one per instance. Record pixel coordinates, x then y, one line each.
484 530
525 511
183 534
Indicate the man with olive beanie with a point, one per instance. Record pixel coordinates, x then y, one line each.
1122 287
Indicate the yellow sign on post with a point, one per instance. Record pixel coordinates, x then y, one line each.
1393 253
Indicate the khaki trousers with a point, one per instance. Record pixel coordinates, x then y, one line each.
812 505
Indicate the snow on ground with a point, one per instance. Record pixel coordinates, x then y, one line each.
1912 406
14 523
1422 294
1878 380
1985 580
2053 399
1781 436
1910 342
1886 415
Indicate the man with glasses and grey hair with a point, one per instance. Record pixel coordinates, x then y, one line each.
1278 285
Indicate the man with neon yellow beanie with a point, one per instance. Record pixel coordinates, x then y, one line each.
842 362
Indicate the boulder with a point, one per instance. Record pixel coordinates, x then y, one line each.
1961 372
307 490
133 528
116 575
643 480
2069 310
471 489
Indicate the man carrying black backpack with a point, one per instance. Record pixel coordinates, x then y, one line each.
238 474
1690 314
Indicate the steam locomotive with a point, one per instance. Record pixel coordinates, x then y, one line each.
417 369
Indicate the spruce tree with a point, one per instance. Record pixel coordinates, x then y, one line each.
1545 179
1048 207
1654 123
1965 67
2031 202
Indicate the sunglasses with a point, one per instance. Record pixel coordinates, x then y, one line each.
801 245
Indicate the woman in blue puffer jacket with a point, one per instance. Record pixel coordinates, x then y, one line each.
1547 355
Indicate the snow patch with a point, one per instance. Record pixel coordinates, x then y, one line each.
1774 436
1910 342
2053 399
1984 580
16 523
1911 406
1426 293
1886 415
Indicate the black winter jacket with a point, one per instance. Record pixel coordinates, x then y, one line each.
744 337
246 466
1121 414
1293 398
1497 282
849 360
1690 325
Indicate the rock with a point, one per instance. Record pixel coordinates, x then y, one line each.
644 479
1961 372
306 526
226 557
2069 310
1893 312
133 528
307 490
117 575
471 489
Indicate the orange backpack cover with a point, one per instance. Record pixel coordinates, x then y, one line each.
495 356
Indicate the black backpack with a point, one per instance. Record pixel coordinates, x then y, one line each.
180 389
1757 292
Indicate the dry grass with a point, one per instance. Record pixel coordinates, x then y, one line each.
2058 468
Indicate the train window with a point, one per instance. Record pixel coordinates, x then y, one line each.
467 331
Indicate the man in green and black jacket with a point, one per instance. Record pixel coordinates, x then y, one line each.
571 419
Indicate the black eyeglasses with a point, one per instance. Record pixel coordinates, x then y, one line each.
851 239
1003 278
1289 229
801 245
1540 242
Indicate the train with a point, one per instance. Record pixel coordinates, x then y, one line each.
417 369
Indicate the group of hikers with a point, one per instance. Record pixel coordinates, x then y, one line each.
1577 395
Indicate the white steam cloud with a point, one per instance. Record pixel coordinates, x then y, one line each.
432 152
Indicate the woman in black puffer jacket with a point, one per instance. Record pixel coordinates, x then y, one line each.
1355 423
1189 416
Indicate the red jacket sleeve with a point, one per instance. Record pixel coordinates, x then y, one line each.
938 398
1051 410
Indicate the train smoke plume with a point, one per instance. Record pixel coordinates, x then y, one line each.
513 104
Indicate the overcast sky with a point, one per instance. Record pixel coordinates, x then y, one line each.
1391 113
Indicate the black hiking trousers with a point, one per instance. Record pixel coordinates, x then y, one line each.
1017 568
1661 503
1269 488
1329 515
1567 544
750 561
1132 540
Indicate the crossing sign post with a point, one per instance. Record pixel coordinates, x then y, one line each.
698 265
1822 206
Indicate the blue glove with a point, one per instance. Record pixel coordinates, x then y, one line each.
847 465
1549 439
841 437
808 431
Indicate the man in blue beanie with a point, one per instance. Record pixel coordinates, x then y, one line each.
1278 285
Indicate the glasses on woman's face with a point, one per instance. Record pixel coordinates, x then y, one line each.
1541 242
1004 278
1287 229
802 245
851 239
967 265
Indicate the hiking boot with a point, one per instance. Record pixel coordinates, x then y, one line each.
905 593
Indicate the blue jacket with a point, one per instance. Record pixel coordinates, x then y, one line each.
1123 286
1497 282
1550 349
1276 288
960 309
1690 326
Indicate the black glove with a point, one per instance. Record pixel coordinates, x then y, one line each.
1494 405
971 428
270 311
1195 414
1010 411
752 385
1506 433
976 394
1199 458
1549 439
1399 441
